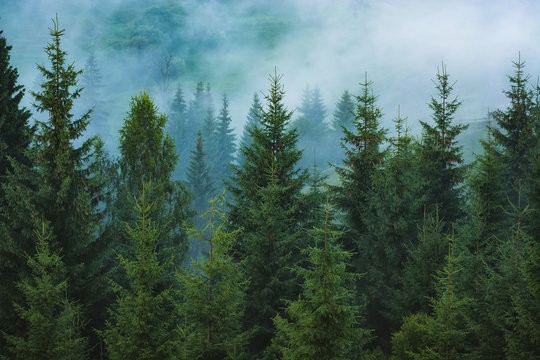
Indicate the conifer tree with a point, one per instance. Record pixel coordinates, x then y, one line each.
52 322
15 130
253 119
213 294
311 126
266 192
424 258
142 324
343 116
442 158
210 138
514 134
322 322
391 218
180 131
362 158
225 143
15 138
61 187
199 178
147 154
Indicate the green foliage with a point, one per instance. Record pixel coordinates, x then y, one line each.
322 322
442 158
15 131
514 134
52 323
391 218
343 116
266 193
253 119
143 323
225 140
199 179
213 295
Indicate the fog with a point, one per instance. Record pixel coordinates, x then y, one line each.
329 44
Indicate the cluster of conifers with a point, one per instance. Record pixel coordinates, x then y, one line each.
411 254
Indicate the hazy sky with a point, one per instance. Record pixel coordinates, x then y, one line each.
332 44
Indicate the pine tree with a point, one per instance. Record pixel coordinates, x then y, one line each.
213 294
343 116
61 188
180 131
15 130
311 126
322 322
199 178
225 143
253 119
143 323
147 154
15 138
266 192
210 138
443 168
391 218
52 322
514 134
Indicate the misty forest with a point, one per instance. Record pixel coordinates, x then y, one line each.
269 180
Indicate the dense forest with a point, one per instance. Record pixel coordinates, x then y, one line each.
315 234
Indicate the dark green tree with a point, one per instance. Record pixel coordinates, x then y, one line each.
52 322
180 131
253 119
514 134
443 169
213 294
391 218
266 191
143 322
323 322
15 138
63 187
343 116
225 139
199 179
15 130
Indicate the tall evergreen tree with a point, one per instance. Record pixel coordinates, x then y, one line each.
199 178
253 119
391 218
343 116
15 130
213 294
225 143
147 154
52 322
143 323
180 131
15 138
443 168
322 322
266 191
61 188
514 133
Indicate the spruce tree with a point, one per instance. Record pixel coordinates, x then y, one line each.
52 322
253 119
266 193
15 138
213 294
147 154
322 323
143 323
199 179
180 131
391 218
15 130
225 143
442 158
61 188
343 116
93 98
514 134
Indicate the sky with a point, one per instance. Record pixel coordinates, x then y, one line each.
329 44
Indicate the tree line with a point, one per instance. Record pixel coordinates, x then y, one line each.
411 254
